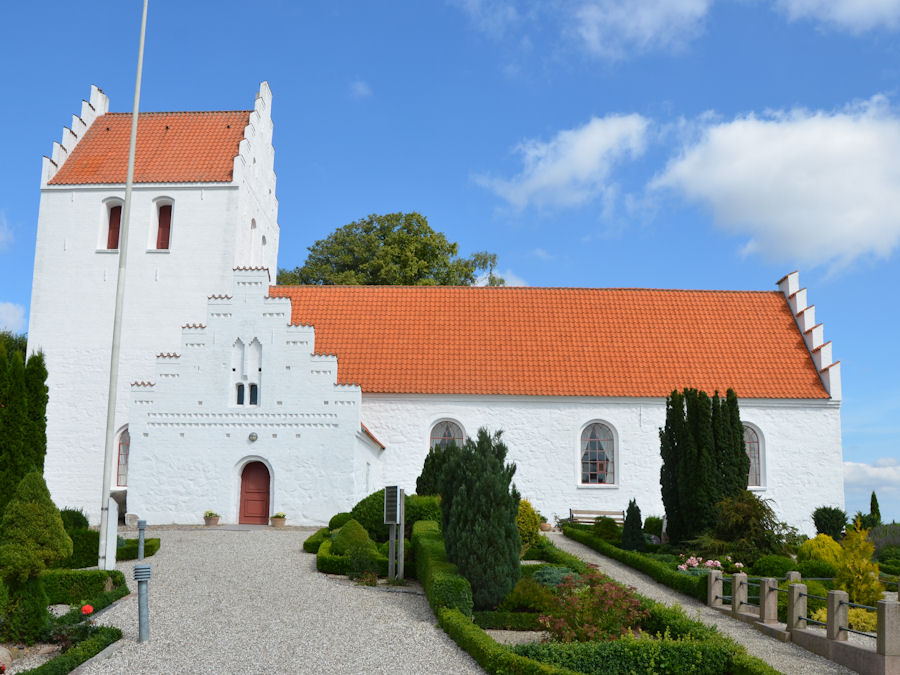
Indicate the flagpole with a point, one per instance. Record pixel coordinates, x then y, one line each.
108 455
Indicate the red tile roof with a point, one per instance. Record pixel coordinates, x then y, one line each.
557 341
174 147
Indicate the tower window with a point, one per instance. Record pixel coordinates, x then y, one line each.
112 236
254 394
240 394
164 215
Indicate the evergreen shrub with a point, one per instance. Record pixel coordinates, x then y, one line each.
632 535
73 519
312 543
821 547
773 566
479 519
129 549
337 520
70 587
421 507
528 595
885 535
26 612
101 637
85 546
428 482
607 529
856 573
528 522
328 562
369 512
816 569
653 525
830 520
351 535
887 553
552 575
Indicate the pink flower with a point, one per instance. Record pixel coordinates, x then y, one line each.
683 568
739 565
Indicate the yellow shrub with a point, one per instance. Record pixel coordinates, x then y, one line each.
858 618
856 573
528 522
822 548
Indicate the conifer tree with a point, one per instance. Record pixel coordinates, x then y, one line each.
36 392
701 487
632 533
14 457
669 444
874 511
480 532
739 462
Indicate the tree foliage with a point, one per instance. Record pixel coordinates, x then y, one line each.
856 573
388 250
704 460
632 533
14 342
23 423
479 506
428 482
830 520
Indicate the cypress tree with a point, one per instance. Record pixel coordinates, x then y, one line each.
739 462
480 526
700 489
632 533
37 394
669 438
874 511
14 429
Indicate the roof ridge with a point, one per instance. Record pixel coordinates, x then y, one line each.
529 288
176 112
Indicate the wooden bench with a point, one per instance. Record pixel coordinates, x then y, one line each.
588 517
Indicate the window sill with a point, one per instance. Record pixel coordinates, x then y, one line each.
597 486
107 250
158 250
756 488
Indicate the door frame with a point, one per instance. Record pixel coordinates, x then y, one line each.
238 473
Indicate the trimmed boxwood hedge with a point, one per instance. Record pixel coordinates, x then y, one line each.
102 638
129 550
694 586
331 563
444 585
71 587
312 543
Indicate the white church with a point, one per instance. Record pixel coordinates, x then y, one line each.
248 398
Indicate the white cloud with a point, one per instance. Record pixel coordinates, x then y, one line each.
513 279
493 17
6 233
853 15
12 317
811 188
573 168
360 89
541 254
613 29
883 474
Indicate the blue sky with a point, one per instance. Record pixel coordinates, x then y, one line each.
659 143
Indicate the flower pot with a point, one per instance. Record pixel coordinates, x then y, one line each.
209 522
276 522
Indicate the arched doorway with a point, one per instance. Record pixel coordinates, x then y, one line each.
254 494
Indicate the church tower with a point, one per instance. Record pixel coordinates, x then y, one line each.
203 204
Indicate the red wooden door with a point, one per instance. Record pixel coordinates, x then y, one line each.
254 494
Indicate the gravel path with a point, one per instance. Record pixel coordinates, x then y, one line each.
251 601
785 656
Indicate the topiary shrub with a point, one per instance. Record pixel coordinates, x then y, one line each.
33 539
608 530
312 543
338 520
653 525
632 536
528 522
773 566
351 535
856 573
369 512
821 548
73 519
85 546
816 569
830 520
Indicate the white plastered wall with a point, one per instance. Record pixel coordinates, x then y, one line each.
801 447
73 290
190 439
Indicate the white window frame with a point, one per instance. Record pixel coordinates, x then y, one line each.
617 457
762 456
442 420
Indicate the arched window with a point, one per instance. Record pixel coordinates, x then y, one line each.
124 446
114 219
240 394
598 465
446 432
254 395
751 445
163 226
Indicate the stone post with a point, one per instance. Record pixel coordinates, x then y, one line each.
738 591
796 618
888 641
768 600
793 578
838 615
714 589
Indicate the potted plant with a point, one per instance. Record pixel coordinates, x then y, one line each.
277 519
210 518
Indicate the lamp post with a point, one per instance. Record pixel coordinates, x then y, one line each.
108 456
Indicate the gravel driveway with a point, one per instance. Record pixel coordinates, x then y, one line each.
251 601
785 656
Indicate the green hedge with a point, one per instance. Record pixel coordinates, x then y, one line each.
312 543
102 638
444 585
550 553
129 550
85 545
507 620
491 656
694 586
72 587
330 563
